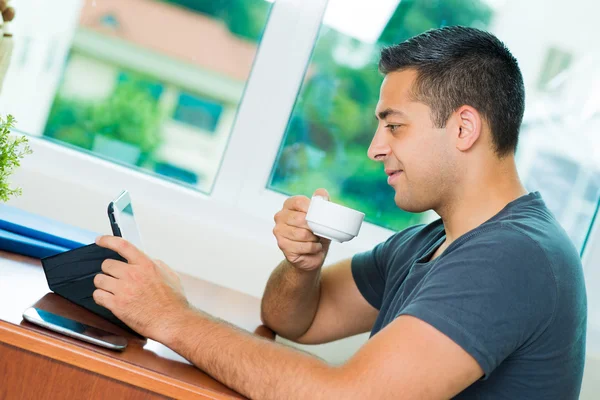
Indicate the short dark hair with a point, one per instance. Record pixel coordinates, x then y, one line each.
464 66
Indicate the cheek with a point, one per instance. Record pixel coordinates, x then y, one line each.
431 165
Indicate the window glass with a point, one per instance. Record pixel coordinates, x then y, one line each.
152 84
332 123
198 112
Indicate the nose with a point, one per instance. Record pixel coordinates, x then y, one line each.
379 149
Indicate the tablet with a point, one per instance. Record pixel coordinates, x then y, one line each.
74 329
122 219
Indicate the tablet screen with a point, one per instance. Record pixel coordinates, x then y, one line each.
125 219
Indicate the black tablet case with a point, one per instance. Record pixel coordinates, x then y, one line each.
71 275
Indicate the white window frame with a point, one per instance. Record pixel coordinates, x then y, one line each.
269 112
241 184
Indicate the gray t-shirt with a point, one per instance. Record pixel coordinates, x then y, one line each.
510 292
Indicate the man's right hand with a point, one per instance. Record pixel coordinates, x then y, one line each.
299 245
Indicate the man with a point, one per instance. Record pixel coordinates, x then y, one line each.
486 302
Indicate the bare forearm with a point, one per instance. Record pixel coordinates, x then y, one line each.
291 300
253 366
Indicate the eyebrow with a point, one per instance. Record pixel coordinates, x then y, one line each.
387 112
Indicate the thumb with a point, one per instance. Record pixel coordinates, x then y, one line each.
322 193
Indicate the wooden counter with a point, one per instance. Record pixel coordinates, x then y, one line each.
36 363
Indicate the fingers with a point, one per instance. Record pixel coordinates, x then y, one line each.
106 283
293 225
114 268
125 249
294 219
295 234
290 247
297 203
321 192
104 298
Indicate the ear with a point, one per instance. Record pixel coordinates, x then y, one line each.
469 127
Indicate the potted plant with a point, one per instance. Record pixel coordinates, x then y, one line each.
12 150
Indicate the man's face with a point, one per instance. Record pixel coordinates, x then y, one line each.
418 157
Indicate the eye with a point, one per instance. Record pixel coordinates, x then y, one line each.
393 127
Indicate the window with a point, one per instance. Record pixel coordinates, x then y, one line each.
152 84
331 126
332 123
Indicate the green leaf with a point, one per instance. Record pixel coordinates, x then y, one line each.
12 150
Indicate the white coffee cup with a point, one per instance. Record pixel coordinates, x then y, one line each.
333 221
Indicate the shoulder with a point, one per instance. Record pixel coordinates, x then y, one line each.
498 243
498 255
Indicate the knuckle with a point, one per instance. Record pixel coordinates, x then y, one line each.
119 302
306 235
299 249
300 201
289 202
306 248
97 296
299 234
300 219
126 293
280 244
122 245
292 257
132 273
309 248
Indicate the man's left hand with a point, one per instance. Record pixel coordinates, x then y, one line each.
143 293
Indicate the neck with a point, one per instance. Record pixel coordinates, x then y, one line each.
480 195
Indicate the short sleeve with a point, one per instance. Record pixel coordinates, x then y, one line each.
490 297
369 274
370 268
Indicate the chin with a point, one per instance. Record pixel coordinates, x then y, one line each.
406 203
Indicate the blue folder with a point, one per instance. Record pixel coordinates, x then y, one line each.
33 235
27 246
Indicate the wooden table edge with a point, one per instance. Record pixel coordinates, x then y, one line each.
101 364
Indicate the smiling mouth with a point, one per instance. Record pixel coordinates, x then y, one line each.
391 173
